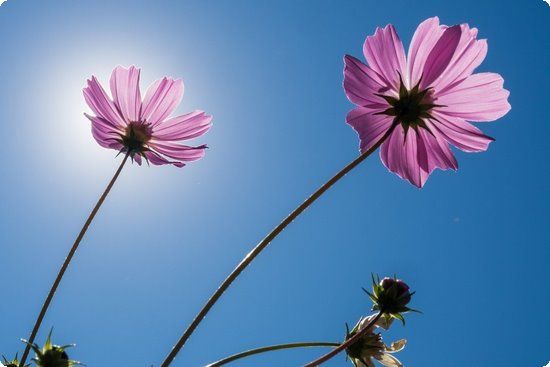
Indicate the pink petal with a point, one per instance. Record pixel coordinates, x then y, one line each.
137 159
440 55
125 90
437 148
183 127
369 126
460 133
424 39
161 99
361 84
406 156
469 54
479 97
104 133
158 160
101 104
177 151
385 55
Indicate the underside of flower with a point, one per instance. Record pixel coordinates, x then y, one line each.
411 107
371 346
135 138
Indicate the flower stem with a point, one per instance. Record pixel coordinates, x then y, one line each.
347 343
263 244
270 348
68 259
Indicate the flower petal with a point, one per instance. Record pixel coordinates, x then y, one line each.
124 85
424 39
469 54
440 56
479 97
388 360
161 99
438 151
396 346
460 133
369 126
178 151
361 84
406 156
158 160
183 127
101 104
104 133
385 55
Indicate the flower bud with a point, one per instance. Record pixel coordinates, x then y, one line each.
51 355
390 296
13 363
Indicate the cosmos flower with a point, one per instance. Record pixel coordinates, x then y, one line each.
143 128
372 346
423 101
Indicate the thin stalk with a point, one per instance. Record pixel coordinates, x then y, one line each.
263 244
347 343
270 348
67 261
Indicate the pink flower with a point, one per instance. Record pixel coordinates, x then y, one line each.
426 98
143 128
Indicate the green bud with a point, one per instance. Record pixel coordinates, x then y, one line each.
13 363
51 355
390 296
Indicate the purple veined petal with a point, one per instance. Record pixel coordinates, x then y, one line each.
438 151
137 158
178 151
158 160
105 135
424 39
161 99
460 133
101 104
183 127
385 55
440 56
479 97
124 85
361 84
469 54
369 126
406 156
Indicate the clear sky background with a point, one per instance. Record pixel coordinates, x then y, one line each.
474 244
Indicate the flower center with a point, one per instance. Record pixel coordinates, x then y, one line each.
411 107
136 136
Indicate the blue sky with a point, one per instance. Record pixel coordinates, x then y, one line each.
473 243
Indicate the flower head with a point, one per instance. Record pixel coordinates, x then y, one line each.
391 297
422 102
51 355
372 346
143 128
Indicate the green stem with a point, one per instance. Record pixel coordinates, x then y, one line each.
270 348
264 243
67 261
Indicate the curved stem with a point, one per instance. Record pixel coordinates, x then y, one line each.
67 261
263 244
347 343
270 348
